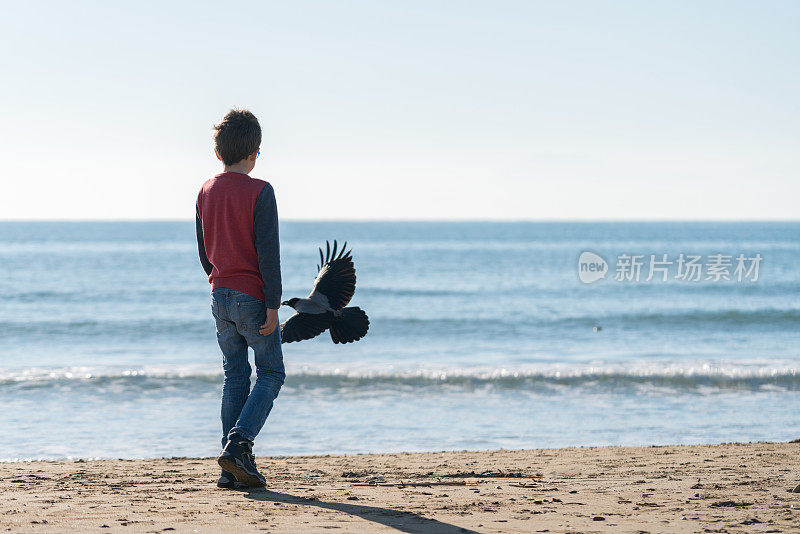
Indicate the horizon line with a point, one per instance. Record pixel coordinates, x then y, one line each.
421 220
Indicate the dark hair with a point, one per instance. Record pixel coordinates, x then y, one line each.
237 136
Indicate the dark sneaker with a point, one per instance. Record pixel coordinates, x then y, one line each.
226 480
237 458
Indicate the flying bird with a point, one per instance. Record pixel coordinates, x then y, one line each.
324 308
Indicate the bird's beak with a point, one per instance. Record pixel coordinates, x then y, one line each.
285 303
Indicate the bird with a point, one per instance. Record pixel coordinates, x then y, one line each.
325 307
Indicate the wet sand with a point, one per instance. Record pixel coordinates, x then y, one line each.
709 488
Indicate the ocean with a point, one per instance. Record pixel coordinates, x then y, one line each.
483 336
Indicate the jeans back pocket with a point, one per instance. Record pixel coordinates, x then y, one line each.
252 314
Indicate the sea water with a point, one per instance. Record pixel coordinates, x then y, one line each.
482 336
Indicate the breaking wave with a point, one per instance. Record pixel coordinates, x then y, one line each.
702 377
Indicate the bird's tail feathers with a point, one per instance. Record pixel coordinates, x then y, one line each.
351 325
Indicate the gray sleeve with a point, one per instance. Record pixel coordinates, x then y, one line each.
265 226
201 247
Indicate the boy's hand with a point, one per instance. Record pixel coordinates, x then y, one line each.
272 321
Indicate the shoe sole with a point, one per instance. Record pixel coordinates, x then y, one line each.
231 486
230 465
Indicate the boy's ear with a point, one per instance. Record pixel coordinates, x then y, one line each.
217 153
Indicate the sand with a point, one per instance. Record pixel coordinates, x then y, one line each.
709 488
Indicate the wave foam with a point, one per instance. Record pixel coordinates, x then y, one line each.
695 375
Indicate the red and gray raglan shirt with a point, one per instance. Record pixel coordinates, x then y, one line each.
237 236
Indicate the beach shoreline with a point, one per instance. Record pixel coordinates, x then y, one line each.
685 488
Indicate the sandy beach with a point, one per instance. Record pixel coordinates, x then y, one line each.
710 488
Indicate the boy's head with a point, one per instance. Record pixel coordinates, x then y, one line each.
237 138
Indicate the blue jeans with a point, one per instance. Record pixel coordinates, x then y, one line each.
238 317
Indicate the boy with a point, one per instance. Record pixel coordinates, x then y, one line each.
237 239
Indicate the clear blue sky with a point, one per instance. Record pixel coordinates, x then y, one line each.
420 110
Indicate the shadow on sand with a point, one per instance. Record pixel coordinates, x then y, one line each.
397 519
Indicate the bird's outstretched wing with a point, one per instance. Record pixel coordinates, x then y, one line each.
336 278
302 326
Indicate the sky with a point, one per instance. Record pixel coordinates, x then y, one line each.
501 110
